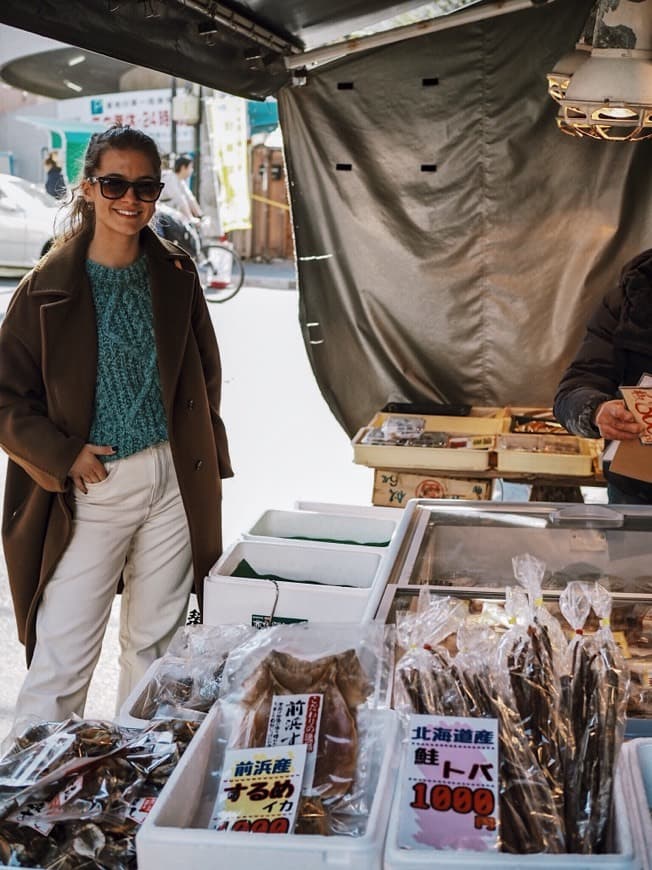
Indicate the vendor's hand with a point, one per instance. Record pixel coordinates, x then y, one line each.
617 423
87 468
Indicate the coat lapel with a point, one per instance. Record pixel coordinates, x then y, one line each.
172 291
69 337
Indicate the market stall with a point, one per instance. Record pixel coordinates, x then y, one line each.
471 714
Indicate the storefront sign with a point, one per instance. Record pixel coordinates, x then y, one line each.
450 784
260 789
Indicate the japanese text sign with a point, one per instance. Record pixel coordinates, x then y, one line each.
449 788
260 789
295 719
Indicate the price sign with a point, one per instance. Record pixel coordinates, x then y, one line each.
449 790
260 789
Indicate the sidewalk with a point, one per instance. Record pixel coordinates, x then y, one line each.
277 274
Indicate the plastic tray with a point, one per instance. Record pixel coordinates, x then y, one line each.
167 842
325 583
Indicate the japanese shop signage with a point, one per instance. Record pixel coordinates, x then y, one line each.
450 784
295 719
260 789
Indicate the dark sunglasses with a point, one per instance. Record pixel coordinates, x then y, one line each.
115 188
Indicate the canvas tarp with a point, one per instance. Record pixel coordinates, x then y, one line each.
471 283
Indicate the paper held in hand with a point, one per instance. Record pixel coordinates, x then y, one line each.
633 458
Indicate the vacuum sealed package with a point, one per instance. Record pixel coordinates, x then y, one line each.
318 685
185 682
86 810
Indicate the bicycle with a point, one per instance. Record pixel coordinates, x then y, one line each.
221 271
220 268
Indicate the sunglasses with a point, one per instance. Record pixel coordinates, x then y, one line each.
112 187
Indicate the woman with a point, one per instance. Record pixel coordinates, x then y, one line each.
109 411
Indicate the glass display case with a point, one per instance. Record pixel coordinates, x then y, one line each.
465 549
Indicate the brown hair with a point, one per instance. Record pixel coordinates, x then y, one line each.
81 217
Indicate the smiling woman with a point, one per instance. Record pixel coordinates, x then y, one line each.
109 411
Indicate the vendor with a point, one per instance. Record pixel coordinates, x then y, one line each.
616 351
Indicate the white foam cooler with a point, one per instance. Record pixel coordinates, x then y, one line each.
167 841
623 858
319 527
325 583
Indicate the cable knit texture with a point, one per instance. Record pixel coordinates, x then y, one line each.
129 413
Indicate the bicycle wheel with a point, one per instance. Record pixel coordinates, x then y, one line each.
222 273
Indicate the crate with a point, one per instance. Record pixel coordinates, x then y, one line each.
324 583
317 527
168 841
395 488
462 859
527 454
480 422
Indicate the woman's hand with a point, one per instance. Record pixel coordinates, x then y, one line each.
87 468
617 423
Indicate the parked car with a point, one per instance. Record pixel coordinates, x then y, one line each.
27 217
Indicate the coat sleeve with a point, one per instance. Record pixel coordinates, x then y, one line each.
26 433
210 358
593 377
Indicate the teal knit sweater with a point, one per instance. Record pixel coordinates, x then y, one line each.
129 413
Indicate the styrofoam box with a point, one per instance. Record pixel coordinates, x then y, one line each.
358 510
167 842
636 767
415 859
339 583
322 527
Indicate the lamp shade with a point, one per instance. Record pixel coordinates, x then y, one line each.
611 94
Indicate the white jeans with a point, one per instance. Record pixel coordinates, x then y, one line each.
132 524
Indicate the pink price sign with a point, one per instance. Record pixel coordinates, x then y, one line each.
449 788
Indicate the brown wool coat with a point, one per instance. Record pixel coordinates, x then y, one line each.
48 361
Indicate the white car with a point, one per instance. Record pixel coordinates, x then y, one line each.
27 217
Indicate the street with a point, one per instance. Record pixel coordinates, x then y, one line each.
285 446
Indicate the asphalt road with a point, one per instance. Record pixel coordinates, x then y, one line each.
285 446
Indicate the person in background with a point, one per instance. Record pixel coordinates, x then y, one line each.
109 410
54 181
176 191
615 352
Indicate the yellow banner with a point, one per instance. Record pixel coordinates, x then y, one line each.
226 117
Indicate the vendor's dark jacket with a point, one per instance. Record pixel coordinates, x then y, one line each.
48 362
615 352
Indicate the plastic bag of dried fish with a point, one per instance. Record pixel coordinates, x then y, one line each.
530 653
348 667
185 682
431 680
596 690
87 810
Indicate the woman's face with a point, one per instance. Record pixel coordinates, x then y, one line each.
128 215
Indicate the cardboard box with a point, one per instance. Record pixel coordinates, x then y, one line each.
394 488
537 454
